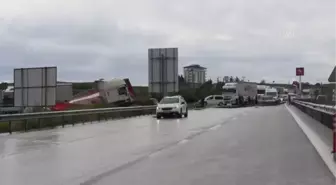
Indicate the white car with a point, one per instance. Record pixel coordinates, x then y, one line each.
172 106
214 100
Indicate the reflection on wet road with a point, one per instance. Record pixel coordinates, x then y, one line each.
71 155
115 151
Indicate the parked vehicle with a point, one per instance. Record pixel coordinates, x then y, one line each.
261 90
271 96
214 100
172 106
283 98
306 94
242 93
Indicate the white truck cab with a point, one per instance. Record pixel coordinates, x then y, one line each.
241 93
261 90
230 94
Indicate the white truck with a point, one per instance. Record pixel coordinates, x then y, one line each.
271 96
261 90
240 94
306 94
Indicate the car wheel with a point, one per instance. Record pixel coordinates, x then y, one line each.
221 104
158 116
179 115
186 114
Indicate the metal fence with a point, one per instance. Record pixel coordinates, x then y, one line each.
321 113
27 121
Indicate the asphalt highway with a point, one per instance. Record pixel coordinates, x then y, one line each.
252 146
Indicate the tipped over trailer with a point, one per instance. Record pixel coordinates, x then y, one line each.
117 92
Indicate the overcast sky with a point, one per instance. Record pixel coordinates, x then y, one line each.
91 39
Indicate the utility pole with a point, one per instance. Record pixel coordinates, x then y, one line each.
192 78
162 75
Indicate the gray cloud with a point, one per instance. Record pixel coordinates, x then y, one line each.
93 39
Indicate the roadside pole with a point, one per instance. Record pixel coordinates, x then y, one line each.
334 137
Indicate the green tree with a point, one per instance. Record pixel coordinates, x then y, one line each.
181 79
3 85
316 93
237 79
263 82
219 85
83 86
231 79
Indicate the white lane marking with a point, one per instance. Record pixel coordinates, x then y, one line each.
234 118
323 150
183 141
154 154
215 127
46 142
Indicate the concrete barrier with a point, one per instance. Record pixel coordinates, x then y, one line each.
325 114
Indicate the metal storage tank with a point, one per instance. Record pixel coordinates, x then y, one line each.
163 70
64 92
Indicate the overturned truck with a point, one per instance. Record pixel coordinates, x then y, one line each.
117 92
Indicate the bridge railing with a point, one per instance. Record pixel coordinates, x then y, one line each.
27 121
325 114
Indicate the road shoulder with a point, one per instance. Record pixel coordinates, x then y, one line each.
315 136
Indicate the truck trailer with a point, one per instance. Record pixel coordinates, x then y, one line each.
240 94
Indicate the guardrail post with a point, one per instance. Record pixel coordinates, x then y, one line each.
73 122
63 120
10 127
25 125
39 122
334 136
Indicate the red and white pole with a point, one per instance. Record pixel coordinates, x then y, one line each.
334 136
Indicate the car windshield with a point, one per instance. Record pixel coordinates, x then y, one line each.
305 93
229 90
169 100
261 91
271 93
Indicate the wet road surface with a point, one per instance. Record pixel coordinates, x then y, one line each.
252 146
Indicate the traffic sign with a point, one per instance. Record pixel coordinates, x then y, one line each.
299 71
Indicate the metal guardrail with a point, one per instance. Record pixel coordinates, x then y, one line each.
322 113
52 114
328 109
40 120
325 114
